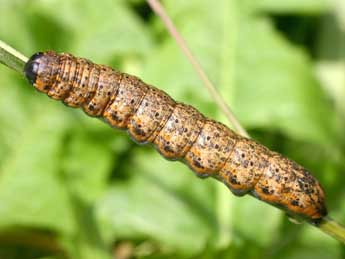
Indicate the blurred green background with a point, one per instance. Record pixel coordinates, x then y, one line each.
72 187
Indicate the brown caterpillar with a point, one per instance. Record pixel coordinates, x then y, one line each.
178 131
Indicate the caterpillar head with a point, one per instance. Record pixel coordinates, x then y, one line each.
39 70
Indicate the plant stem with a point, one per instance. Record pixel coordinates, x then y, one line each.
332 228
160 11
16 61
12 58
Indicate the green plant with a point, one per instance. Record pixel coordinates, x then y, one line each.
91 187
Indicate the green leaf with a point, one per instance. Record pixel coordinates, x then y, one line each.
97 32
262 233
57 177
282 91
163 202
268 82
30 189
87 166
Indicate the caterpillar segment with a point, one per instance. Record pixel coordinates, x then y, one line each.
178 131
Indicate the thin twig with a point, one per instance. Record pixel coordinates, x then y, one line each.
12 58
333 228
160 11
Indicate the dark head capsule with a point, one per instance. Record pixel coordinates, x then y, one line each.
39 70
32 66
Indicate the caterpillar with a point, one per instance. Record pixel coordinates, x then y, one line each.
179 132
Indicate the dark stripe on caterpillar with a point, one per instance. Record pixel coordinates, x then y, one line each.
178 131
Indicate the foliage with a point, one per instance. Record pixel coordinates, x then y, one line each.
86 190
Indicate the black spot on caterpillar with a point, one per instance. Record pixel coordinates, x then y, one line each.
178 131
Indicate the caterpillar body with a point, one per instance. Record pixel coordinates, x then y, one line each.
178 131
